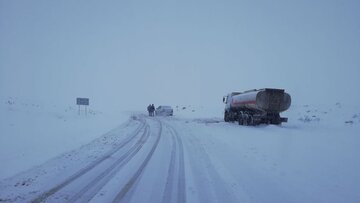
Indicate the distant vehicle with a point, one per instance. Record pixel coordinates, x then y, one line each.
254 107
164 111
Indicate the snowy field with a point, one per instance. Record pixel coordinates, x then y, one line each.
32 132
49 153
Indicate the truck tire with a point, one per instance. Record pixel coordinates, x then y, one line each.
226 117
246 120
240 120
251 120
230 116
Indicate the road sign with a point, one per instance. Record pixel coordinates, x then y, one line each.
82 101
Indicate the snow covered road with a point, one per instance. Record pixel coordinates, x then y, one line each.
161 159
152 151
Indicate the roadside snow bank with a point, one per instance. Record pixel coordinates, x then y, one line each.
32 133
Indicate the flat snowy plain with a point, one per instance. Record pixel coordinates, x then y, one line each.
51 154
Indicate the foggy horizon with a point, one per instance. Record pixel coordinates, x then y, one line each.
128 54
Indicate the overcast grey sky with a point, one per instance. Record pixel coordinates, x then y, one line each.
130 53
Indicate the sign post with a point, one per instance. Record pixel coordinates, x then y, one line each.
84 102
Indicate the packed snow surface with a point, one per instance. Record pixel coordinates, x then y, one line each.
32 132
191 157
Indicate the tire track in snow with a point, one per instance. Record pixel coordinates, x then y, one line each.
173 177
93 187
77 175
212 187
130 184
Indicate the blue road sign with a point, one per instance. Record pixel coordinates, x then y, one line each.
82 101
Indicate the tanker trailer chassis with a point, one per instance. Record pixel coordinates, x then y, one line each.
256 107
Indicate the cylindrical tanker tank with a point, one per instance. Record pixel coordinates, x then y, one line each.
266 100
257 106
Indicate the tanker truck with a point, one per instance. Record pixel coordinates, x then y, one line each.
257 106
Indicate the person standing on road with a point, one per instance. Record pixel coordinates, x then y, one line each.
152 110
149 109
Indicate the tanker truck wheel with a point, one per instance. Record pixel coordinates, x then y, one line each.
243 119
240 120
251 120
246 119
226 117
